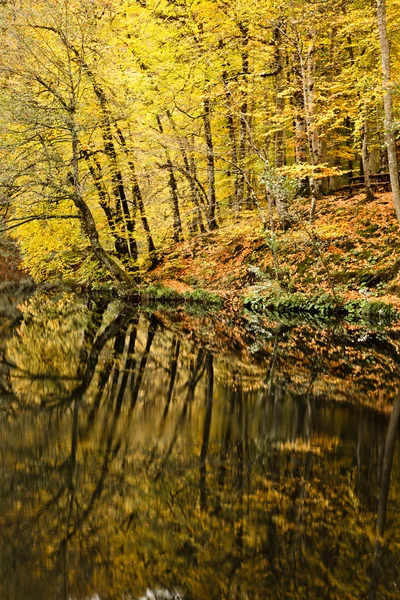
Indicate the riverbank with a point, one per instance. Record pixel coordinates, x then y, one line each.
347 265
351 258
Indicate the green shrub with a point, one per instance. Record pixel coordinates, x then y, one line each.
163 295
322 305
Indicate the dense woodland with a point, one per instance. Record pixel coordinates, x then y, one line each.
128 126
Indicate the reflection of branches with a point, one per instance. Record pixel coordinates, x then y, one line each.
110 454
112 446
138 382
192 383
176 346
110 331
36 376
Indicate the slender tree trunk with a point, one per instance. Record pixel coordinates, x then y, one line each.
212 199
390 138
188 173
279 100
280 199
299 126
307 68
173 186
240 180
366 160
137 197
232 139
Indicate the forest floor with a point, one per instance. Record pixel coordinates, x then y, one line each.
352 253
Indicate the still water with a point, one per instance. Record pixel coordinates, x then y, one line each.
164 455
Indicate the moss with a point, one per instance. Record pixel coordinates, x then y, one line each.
204 298
344 276
191 280
368 231
347 245
322 305
160 294
303 266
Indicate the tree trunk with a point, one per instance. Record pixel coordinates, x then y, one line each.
279 100
366 160
307 76
137 197
280 199
88 223
212 199
173 186
198 220
232 140
390 138
240 179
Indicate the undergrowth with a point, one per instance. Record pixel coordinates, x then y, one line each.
321 305
159 294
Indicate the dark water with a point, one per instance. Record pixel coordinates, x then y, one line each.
174 456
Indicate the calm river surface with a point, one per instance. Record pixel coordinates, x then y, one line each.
166 455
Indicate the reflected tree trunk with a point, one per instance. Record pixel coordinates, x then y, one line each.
176 346
383 497
192 383
206 430
142 366
387 467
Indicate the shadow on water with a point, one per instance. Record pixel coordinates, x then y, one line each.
146 457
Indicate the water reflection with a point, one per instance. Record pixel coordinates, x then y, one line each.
138 461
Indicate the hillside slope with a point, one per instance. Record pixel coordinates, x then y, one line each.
353 252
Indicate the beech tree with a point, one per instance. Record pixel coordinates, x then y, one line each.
390 138
44 72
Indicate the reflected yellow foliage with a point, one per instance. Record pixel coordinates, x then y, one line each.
156 469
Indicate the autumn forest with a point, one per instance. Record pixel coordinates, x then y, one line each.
130 126
199 299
